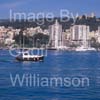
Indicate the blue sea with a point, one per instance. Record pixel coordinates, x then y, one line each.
55 64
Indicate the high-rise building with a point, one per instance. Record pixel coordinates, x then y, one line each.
55 32
98 34
80 33
99 30
92 14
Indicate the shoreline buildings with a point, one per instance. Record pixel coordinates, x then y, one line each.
80 35
98 35
55 33
75 36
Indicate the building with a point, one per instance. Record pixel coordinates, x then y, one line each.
98 35
80 34
67 38
2 35
9 39
55 32
99 30
31 31
92 15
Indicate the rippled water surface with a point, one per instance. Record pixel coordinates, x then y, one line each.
57 63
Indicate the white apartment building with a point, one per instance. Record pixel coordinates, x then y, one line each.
55 32
98 34
80 33
99 30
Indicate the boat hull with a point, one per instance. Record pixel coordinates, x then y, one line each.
35 59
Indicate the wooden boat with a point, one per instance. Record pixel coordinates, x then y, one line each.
26 56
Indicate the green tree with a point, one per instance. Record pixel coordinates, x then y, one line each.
40 39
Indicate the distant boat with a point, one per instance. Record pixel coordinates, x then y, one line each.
26 56
82 48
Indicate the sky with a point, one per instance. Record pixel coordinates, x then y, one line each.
74 6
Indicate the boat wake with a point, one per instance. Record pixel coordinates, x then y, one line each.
5 60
